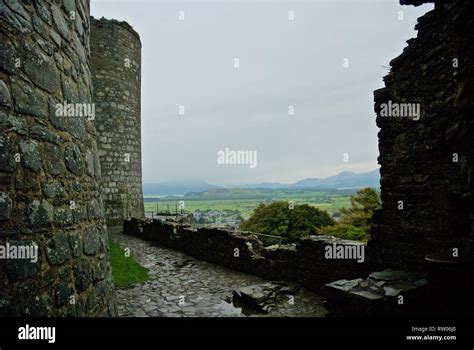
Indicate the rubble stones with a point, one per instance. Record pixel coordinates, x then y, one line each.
263 297
377 295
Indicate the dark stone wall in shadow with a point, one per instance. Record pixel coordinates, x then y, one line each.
427 164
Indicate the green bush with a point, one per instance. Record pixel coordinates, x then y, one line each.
345 231
291 223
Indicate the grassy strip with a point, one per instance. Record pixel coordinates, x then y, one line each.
125 270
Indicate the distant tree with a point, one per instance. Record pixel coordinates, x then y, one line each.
363 205
356 221
278 219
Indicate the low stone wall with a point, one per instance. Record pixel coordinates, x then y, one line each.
304 263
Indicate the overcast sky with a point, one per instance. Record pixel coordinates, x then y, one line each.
283 63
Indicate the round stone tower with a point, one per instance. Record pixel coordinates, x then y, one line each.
54 258
116 78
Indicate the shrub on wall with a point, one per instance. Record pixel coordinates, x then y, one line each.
356 221
290 222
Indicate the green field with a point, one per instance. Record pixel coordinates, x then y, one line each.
218 201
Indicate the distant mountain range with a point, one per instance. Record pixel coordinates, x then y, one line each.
343 180
176 188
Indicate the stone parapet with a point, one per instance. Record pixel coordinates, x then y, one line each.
306 263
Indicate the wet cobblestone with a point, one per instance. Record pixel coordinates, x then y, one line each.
181 286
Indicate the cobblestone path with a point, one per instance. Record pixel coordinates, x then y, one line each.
184 286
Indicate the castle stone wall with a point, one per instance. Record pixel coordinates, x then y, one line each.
49 168
426 170
116 77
